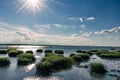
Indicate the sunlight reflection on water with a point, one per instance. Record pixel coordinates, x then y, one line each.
38 57
43 78
29 67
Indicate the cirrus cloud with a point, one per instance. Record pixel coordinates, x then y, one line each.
57 25
115 29
81 19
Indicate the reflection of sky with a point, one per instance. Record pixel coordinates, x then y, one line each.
73 74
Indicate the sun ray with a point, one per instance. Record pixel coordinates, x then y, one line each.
32 5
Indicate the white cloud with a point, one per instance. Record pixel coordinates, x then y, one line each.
115 29
24 34
81 31
58 25
57 2
42 28
90 18
117 38
86 34
72 18
73 35
67 40
81 19
47 26
82 26
76 19
3 24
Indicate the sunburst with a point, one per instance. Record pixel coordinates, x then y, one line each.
32 5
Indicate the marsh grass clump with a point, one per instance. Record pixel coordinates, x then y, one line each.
11 49
3 51
94 50
20 51
112 49
76 59
29 51
52 54
4 61
59 51
48 54
44 68
99 52
25 59
53 63
80 51
72 54
118 50
39 50
84 56
13 53
111 54
89 53
48 51
98 67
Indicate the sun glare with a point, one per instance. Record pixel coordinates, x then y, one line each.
32 5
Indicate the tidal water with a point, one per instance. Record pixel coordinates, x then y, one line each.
28 72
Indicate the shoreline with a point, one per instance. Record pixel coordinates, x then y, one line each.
55 45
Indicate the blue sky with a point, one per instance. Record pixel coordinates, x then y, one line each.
61 22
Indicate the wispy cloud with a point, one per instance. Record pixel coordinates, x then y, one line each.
23 34
47 26
82 26
73 35
73 18
3 24
81 19
57 2
86 34
76 19
57 25
90 18
117 38
115 29
42 27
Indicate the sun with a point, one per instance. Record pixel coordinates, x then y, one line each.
32 5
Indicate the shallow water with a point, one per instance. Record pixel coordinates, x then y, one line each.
15 72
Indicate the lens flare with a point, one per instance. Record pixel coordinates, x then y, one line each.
32 5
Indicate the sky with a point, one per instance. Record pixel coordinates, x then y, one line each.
60 22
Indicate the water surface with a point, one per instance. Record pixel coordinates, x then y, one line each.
15 72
